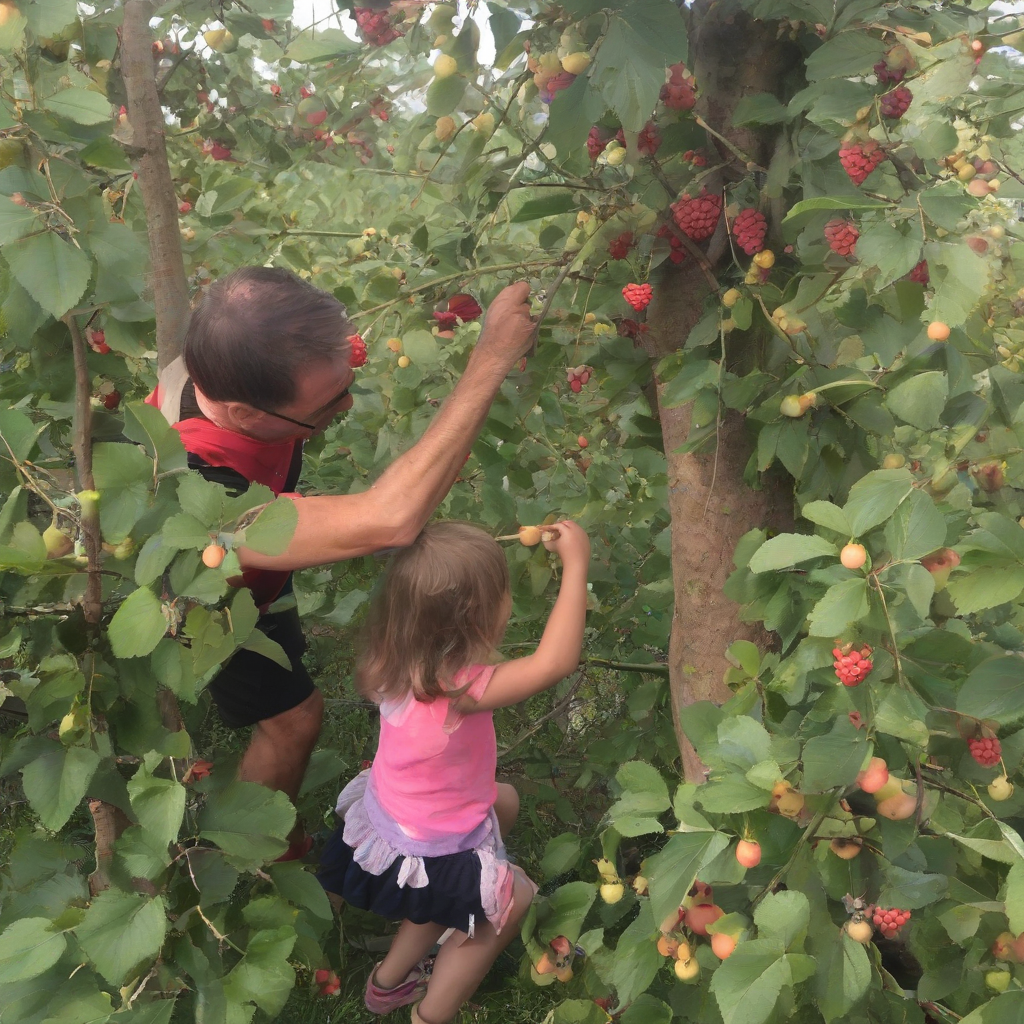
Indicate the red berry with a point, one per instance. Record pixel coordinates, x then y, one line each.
859 159
842 236
375 26
619 248
638 295
648 141
576 385
98 342
919 273
275 89
357 351
697 216
678 92
321 976
597 140
885 74
986 750
749 229
895 104
851 668
111 400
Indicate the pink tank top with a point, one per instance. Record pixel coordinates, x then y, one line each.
434 770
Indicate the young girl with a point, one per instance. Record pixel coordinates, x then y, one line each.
422 838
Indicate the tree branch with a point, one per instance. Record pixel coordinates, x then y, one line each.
170 289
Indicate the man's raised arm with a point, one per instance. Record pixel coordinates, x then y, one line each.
392 512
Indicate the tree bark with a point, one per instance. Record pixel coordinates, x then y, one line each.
148 147
711 506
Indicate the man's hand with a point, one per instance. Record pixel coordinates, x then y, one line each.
508 328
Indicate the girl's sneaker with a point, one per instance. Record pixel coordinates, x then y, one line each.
412 990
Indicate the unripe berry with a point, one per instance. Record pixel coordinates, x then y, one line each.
445 66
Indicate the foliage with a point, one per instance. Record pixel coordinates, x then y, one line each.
395 210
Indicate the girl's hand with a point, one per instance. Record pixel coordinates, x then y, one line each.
570 542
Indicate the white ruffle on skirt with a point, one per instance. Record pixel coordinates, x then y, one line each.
377 841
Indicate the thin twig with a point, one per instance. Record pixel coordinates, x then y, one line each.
546 308
751 165
556 710
808 835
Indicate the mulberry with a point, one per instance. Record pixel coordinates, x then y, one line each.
678 92
919 273
749 229
895 104
619 248
851 666
356 351
842 236
638 295
859 159
375 26
986 750
697 216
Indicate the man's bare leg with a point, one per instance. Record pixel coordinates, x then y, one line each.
280 748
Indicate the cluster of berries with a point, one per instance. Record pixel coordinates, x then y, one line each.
986 750
678 253
619 247
357 351
895 104
889 922
851 666
697 216
886 74
638 295
919 273
597 141
696 157
375 26
648 141
678 92
749 229
841 236
859 159
577 377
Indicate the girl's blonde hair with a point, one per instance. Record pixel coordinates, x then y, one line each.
438 609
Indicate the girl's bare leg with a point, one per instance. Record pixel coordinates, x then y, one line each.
506 807
459 970
410 945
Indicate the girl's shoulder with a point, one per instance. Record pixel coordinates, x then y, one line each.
473 680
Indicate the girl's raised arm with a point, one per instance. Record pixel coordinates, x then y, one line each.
558 652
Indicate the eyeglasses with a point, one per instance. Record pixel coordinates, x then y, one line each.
316 415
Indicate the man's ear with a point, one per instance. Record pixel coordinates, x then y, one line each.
239 414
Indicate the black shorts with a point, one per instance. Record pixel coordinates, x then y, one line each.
251 688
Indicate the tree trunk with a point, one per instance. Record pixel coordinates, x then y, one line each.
711 506
148 147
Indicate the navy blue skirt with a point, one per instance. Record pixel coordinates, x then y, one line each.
451 898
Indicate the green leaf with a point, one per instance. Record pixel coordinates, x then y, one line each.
299 886
743 742
748 984
919 401
264 976
27 948
789 549
56 783
137 626
571 115
17 221
732 794
1005 1009
120 930
159 804
783 916
643 785
959 278
874 497
843 604
843 55
247 821
672 871
994 690
835 758
147 426
19 433
757 109
271 533
52 271
916 528
894 249
986 587
843 978
824 513
1015 897
645 1009
560 854
48 17
902 714
565 911
80 105
549 205
105 154
444 95
317 45
629 70
807 208
911 890
637 960
421 347
124 478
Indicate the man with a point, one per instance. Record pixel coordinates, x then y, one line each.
265 366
